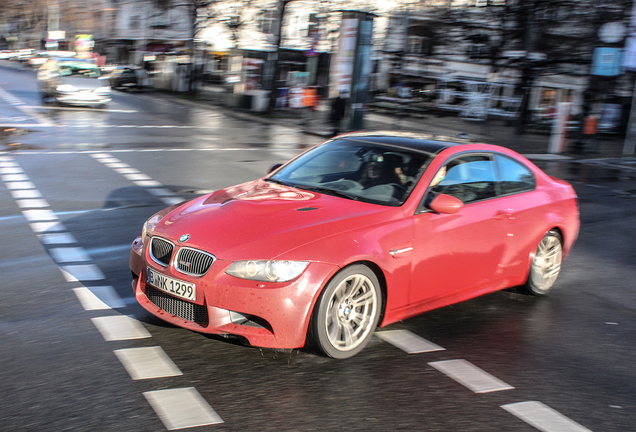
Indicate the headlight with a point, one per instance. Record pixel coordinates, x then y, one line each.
66 88
267 271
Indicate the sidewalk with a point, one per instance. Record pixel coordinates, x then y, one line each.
492 131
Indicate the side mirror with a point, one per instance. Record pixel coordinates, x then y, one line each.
446 204
274 167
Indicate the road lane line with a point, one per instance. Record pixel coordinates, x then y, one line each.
32 203
137 176
147 363
120 327
20 194
99 298
56 238
14 177
470 376
177 408
182 408
69 254
82 272
43 121
40 215
147 183
408 342
543 417
160 192
19 185
46 227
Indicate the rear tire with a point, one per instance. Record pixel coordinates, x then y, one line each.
546 264
347 312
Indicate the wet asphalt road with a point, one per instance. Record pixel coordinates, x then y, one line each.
572 351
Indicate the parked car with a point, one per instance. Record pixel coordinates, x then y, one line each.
73 81
361 231
123 77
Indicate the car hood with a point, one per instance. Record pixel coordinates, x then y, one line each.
263 220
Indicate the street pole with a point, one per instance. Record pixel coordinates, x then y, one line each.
630 138
282 4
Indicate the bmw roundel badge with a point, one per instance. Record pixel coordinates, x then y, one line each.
184 238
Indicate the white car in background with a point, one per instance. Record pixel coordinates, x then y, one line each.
72 81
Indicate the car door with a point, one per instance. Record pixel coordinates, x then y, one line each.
458 256
524 203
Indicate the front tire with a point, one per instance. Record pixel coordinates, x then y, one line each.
347 312
546 264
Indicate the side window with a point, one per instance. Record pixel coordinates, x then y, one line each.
468 178
513 176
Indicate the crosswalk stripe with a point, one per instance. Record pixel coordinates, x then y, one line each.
470 376
543 417
120 327
147 363
408 342
99 298
182 408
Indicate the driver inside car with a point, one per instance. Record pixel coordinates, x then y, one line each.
380 171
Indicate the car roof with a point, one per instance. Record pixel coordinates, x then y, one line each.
425 143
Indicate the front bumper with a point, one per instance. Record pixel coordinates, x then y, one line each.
264 314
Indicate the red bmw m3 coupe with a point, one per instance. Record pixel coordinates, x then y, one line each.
361 231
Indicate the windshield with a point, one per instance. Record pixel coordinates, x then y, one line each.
356 170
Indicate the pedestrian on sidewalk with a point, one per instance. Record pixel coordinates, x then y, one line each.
337 112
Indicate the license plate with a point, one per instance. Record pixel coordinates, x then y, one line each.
170 285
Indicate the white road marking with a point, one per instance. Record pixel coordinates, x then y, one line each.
120 327
32 203
39 215
182 408
147 183
470 376
57 238
14 177
20 194
543 417
82 272
137 176
108 160
20 185
43 121
7 164
60 108
99 298
117 165
44 227
127 171
147 363
69 254
408 342
160 192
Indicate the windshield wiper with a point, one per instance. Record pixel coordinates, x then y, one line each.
328 191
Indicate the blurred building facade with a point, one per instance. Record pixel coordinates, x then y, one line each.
478 58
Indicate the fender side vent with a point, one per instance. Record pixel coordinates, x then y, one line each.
307 209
